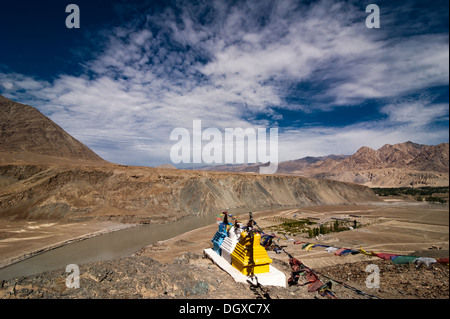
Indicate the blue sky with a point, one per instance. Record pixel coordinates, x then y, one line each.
135 70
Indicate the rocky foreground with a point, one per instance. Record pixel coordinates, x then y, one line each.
193 277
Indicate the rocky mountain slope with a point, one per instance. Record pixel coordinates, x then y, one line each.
28 135
400 165
63 179
145 194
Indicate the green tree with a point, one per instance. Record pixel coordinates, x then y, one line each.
336 225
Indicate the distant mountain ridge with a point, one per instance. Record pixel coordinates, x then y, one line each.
399 165
403 155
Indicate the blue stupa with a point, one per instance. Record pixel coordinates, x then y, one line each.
219 237
221 234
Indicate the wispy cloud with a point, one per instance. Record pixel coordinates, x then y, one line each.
239 66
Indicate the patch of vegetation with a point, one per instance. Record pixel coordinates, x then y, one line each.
296 226
413 191
429 194
332 227
432 199
292 226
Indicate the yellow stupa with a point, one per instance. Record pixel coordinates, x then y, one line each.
249 257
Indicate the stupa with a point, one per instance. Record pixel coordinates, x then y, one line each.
244 259
230 242
249 257
221 234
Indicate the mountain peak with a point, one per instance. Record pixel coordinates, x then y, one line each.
365 149
27 133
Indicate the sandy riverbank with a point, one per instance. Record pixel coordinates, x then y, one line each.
20 240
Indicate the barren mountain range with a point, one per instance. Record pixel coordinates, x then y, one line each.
400 165
47 174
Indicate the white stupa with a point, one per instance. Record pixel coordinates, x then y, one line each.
229 243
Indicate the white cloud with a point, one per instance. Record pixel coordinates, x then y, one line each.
227 65
415 113
395 68
7 85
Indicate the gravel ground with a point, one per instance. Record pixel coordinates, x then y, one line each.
193 277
